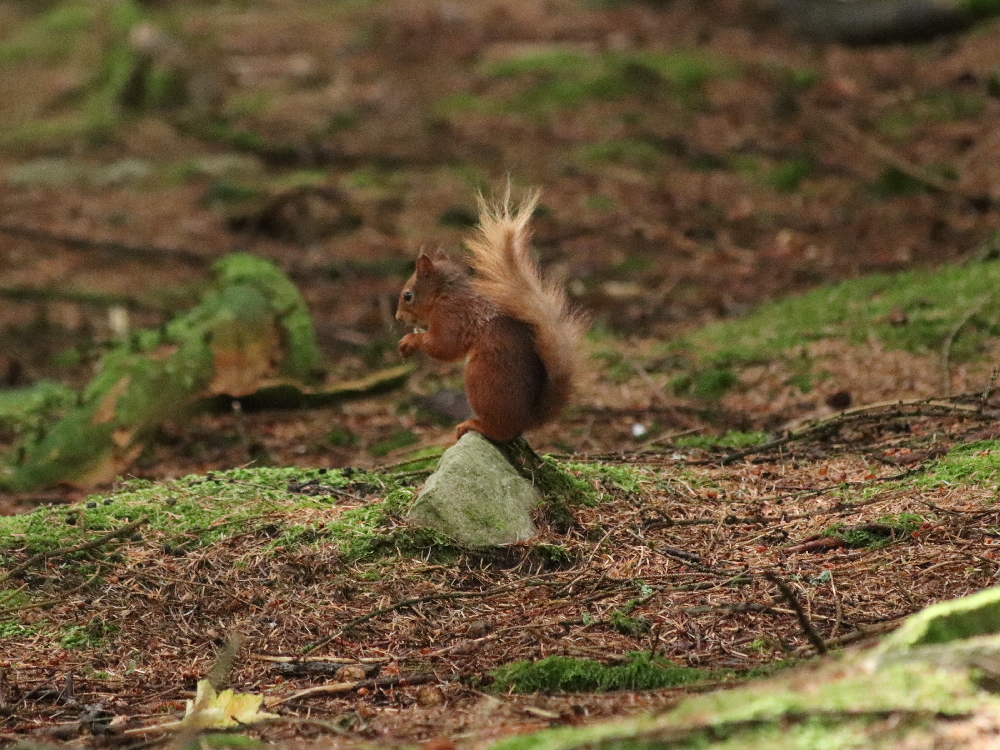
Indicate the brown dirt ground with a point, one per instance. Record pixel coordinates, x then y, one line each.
712 242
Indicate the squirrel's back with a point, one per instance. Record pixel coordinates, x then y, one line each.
507 275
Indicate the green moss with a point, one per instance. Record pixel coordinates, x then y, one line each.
562 674
196 511
934 300
27 410
933 105
787 176
160 374
803 381
564 78
302 356
880 533
225 191
553 553
341 437
617 367
240 138
967 617
892 183
784 176
965 464
708 383
732 439
598 482
15 630
712 383
120 83
86 636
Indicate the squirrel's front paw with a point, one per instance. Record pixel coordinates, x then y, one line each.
408 345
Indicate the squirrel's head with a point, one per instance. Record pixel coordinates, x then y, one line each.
432 278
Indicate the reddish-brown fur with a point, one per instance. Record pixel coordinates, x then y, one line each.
520 339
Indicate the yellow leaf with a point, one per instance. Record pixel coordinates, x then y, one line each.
211 710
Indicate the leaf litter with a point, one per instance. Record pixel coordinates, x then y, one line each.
672 563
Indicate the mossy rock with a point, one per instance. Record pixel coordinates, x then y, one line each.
476 497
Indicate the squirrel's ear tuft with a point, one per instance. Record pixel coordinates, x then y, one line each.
424 263
440 254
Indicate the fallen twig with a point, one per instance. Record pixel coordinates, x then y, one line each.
339 688
807 627
819 544
691 560
324 659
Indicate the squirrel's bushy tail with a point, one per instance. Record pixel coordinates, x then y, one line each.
507 275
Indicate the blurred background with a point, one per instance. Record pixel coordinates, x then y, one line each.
697 157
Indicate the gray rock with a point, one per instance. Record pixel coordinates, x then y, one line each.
476 497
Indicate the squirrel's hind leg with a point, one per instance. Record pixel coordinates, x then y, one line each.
474 425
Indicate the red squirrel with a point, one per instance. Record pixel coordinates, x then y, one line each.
516 330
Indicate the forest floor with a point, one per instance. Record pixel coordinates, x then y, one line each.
698 162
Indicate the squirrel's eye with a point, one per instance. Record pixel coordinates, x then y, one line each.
407 296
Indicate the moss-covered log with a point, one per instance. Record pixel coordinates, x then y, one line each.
252 330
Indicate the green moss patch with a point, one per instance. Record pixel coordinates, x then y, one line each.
880 533
196 511
561 78
563 674
968 463
593 483
733 439
934 302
